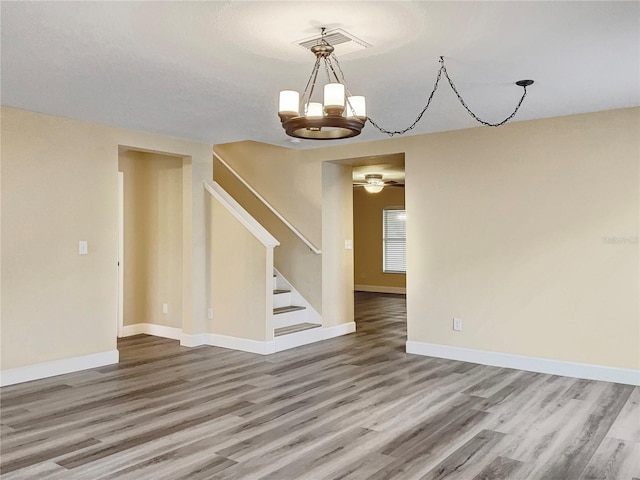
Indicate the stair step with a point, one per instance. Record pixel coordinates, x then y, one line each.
299 327
278 292
287 309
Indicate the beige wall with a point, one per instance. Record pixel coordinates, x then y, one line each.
367 236
508 234
507 231
292 258
59 186
518 252
337 262
152 238
239 265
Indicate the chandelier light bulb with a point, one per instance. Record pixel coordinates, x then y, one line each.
356 106
289 102
334 98
314 109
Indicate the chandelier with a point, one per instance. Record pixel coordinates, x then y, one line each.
343 115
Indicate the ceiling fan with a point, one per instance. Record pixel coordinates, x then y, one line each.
373 183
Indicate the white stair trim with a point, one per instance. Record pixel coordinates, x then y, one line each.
281 300
290 318
297 339
533 364
311 315
313 335
297 233
241 215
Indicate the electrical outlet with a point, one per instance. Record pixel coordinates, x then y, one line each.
210 313
165 308
457 324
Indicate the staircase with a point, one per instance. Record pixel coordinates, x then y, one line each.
293 323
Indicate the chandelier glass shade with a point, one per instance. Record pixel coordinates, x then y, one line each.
341 115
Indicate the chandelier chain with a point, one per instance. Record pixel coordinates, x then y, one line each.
312 82
326 70
463 103
344 82
442 70
410 127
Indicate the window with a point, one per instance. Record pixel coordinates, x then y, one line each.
394 240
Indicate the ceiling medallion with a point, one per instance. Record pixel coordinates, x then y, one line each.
343 115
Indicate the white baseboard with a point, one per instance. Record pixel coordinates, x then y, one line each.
242 344
380 289
57 367
265 348
196 340
226 341
338 330
533 364
152 329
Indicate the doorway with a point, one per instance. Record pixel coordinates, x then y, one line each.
379 283
379 221
150 246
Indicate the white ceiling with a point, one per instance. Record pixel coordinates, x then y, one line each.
211 71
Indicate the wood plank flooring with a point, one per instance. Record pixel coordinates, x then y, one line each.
355 407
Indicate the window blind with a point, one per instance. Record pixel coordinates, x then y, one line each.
394 240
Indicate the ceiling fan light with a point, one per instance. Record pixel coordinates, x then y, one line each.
373 188
373 179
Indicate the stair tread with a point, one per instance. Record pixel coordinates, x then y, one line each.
276 292
287 309
299 327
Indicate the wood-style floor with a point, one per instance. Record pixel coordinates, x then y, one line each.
354 407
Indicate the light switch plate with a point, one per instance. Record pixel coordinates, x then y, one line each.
457 324
165 308
83 247
348 244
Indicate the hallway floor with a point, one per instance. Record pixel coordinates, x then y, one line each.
354 407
